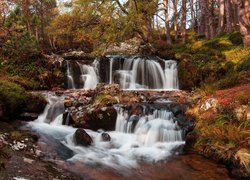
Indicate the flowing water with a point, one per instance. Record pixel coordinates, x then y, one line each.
82 76
153 137
130 72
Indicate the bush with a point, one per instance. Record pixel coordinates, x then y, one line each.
21 46
244 66
236 38
12 98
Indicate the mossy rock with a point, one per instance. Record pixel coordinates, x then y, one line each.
12 99
36 103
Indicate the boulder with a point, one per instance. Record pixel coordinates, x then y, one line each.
191 138
95 119
105 137
27 116
82 138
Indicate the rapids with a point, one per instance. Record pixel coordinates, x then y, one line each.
153 138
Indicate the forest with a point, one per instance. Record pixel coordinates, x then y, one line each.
84 81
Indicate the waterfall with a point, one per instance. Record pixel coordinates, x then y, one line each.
110 70
88 75
151 137
71 84
87 78
150 129
140 73
130 72
171 75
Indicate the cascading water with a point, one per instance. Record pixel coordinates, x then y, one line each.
139 73
152 137
70 79
130 72
87 78
88 75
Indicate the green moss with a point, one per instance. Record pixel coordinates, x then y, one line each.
244 65
236 38
104 99
36 103
12 98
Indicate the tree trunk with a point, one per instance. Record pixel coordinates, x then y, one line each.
228 16
210 13
183 20
221 16
175 19
244 21
168 38
192 14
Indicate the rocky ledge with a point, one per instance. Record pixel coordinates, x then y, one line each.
95 109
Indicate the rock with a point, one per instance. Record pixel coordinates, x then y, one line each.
67 119
27 116
77 55
68 102
209 103
190 140
106 137
95 118
137 110
36 103
242 112
82 138
1 110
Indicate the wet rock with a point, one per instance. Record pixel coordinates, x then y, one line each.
27 116
137 110
68 102
77 55
95 118
106 137
185 123
177 109
113 89
67 119
36 103
82 138
190 140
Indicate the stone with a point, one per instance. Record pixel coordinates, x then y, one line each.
27 116
82 138
105 137
242 112
209 103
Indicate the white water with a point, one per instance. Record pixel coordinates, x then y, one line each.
142 74
135 73
71 84
153 138
89 77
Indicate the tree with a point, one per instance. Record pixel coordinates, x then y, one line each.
168 38
244 21
221 16
175 19
183 21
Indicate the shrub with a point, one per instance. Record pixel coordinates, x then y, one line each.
12 98
236 38
244 65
